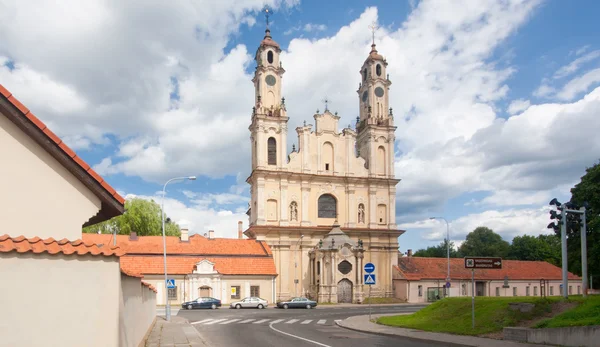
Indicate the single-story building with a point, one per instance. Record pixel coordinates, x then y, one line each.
226 269
420 279
58 290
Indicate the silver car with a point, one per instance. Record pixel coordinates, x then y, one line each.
249 302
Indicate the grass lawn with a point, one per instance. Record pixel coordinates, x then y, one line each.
453 315
587 313
375 301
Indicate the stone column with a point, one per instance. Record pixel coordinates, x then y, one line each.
305 203
392 209
284 209
282 162
260 201
351 206
372 208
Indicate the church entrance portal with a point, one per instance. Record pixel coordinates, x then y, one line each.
344 291
204 291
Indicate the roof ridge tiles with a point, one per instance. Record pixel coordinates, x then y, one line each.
21 244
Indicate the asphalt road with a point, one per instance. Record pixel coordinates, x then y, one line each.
292 328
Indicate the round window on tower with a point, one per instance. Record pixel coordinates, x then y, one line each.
270 57
379 92
378 70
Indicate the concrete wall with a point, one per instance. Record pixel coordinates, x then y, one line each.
571 336
490 288
41 185
59 300
137 311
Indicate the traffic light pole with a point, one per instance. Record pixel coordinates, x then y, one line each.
584 269
563 242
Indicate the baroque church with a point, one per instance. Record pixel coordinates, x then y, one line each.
328 207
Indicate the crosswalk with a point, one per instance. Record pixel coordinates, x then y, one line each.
260 321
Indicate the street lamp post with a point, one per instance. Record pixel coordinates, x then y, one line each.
162 217
295 267
447 245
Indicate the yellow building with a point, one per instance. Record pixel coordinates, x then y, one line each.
328 207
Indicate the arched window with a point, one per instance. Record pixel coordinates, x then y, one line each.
381 162
327 156
270 57
365 74
272 151
378 70
327 206
271 210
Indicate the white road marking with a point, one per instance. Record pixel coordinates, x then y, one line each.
277 321
202 321
298 337
247 321
216 321
322 321
261 321
292 321
230 321
306 321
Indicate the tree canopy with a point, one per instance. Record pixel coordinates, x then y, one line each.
141 216
484 242
542 247
439 251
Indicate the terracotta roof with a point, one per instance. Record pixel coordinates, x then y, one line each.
27 116
268 40
36 245
151 287
183 265
197 245
419 268
374 55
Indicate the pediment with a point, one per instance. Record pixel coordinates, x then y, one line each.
205 267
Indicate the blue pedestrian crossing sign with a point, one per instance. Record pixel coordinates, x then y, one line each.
370 279
170 283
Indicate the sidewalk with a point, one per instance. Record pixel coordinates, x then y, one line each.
177 332
362 324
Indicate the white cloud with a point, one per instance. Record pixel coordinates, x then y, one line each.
575 65
314 27
579 84
518 105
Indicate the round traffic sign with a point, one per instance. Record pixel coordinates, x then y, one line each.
447 284
369 267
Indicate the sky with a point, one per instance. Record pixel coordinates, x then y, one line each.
496 103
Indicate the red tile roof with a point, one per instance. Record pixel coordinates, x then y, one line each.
183 265
151 287
197 245
420 268
36 245
24 112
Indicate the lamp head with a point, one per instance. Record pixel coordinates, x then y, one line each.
301 236
555 202
431 217
192 178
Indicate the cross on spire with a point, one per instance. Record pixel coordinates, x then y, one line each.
268 12
373 28
326 101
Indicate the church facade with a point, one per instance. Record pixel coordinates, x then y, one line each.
328 207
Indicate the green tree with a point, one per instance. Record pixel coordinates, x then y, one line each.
439 251
141 216
484 242
587 190
542 247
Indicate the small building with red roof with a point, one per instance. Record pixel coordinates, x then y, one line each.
59 290
421 279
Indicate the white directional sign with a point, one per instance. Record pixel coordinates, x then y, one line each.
370 279
170 283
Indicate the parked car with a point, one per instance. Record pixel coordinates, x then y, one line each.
297 303
251 301
204 302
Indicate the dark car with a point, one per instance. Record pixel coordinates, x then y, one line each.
297 303
205 302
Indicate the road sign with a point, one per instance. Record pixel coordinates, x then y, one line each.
483 263
370 279
369 267
170 283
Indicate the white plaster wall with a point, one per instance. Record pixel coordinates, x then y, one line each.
59 300
40 190
137 311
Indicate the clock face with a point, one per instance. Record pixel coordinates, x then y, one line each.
270 79
379 92
365 96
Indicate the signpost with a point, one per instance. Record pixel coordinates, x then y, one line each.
369 280
490 263
170 283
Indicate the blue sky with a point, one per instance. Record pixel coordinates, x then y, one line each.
480 91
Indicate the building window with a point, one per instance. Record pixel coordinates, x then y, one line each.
318 268
560 290
327 206
420 290
464 289
326 167
527 291
345 267
272 151
255 291
235 292
172 293
497 291
270 57
378 70
570 290
578 290
365 74
551 290
514 291
535 291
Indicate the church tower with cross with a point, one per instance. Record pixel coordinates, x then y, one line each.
328 207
